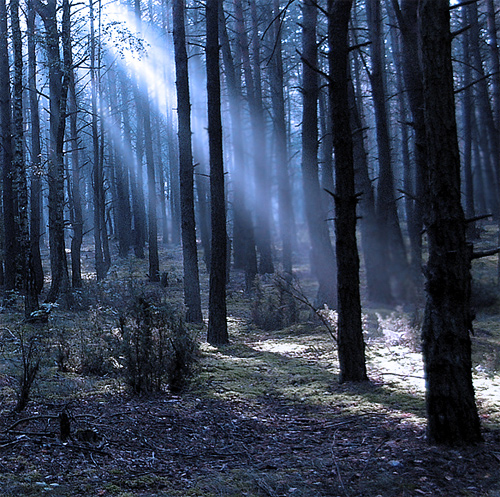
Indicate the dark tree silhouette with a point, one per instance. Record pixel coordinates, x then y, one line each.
217 320
322 253
351 346
451 409
188 229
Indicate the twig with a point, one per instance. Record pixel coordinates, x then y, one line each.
10 444
337 467
379 446
304 300
32 418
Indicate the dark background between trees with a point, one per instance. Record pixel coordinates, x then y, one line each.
253 132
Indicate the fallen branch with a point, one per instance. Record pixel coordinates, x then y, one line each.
32 418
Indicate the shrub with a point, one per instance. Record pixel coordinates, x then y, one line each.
28 347
158 351
275 306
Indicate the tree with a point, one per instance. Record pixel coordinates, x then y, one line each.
276 81
217 320
36 157
144 114
351 346
385 201
188 228
243 230
451 409
58 88
100 231
322 254
9 227
19 167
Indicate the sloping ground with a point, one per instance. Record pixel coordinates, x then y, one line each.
265 417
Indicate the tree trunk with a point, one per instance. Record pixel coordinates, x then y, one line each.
217 320
276 81
322 254
243 230
188 229
76 212
372 240
451 409
351 347
123 215
144 114
58 86
407 20
262 163
36 158
19 168
97 169
467 108
488 136
385 202
9 225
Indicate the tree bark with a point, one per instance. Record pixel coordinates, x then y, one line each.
451 409
36 157
243 229
277 85
386 201
217 320
188 228
351 347
97 167
322 254
9 225
58 87
19 167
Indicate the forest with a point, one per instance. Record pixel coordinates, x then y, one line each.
250 248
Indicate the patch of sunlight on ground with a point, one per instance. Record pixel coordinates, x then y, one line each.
281 347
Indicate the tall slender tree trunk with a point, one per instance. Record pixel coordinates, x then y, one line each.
97 166
451 409
351 346
76 210
322 253
36 157
19 168
467 109
243 230
9 225
144 114
192 298
262 163
386 201
277 84
217 313
375 259
123 210
173 159
407 21
58 86
490 143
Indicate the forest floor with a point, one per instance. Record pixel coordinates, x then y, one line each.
263 416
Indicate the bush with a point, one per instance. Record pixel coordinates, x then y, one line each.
158 351
274 306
